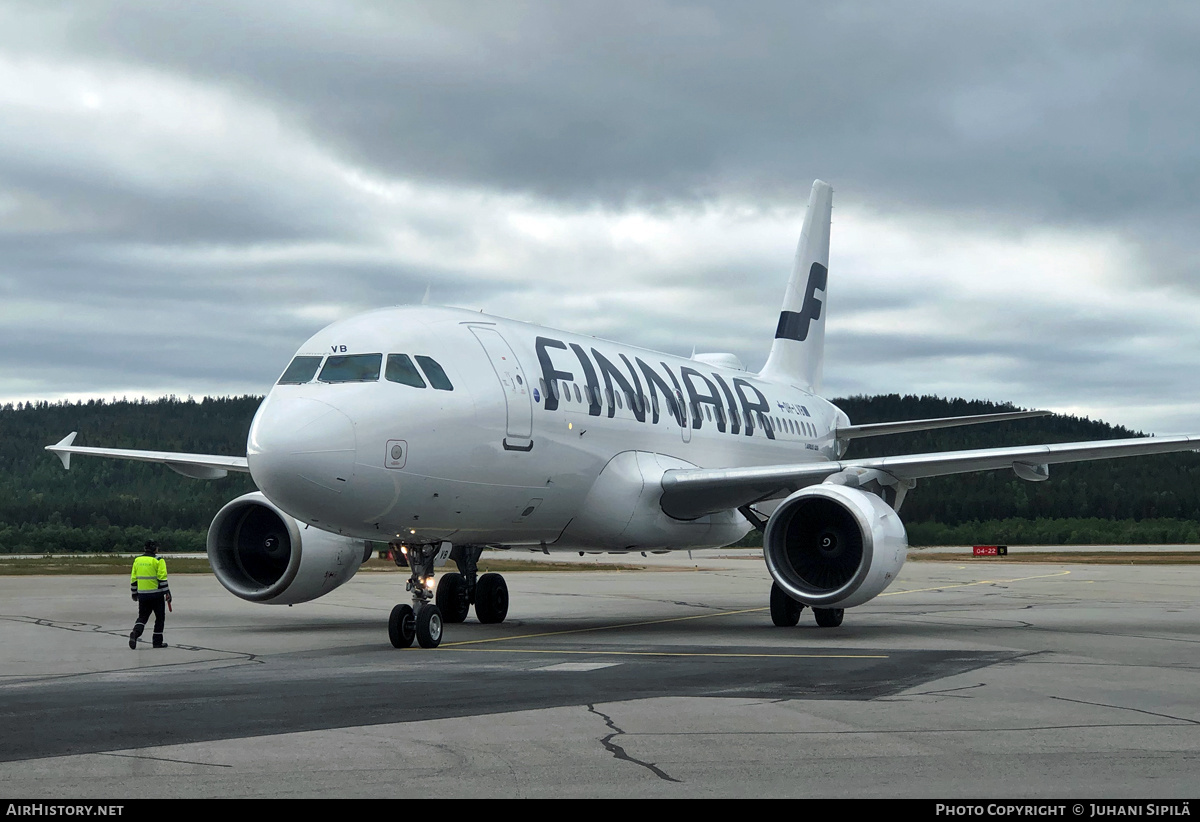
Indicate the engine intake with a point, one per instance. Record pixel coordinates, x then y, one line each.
261 554
829 546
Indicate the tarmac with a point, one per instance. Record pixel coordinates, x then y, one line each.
964 680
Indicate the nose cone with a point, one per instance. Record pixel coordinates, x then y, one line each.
301 454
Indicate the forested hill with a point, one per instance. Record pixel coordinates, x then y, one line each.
103 504
115 504
1159 493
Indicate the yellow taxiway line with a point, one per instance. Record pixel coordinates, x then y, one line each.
969 584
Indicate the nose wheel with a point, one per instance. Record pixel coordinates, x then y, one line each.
423 620
402 626
429 626
425 626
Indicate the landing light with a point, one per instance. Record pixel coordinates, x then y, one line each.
570 426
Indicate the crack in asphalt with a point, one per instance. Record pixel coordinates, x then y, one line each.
92 628
619 753
951 691
164 759
1126 708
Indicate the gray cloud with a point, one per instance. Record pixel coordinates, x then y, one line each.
1073 111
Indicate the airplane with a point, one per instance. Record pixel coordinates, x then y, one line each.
444 432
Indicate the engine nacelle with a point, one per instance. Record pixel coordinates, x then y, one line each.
261 554
829 546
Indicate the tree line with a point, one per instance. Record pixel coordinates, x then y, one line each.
115 505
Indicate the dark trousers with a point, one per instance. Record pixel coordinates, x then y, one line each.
151 604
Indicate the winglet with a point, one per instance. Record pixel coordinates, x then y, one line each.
61 447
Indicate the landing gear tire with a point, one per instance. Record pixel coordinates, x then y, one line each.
429 626
402 628
452 598
491 599
829 617
785 611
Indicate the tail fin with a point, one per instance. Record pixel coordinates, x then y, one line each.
799 348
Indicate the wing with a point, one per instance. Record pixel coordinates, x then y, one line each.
196 466
878 429
693 492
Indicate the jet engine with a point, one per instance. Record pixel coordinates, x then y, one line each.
830 546
261 554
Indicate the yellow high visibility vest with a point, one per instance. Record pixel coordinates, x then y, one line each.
149 575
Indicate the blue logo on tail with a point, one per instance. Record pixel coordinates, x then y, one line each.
793 325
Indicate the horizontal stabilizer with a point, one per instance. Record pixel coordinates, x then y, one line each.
878 429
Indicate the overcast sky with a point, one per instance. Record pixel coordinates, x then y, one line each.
189 190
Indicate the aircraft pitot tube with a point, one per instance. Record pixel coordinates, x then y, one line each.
261 554
829 546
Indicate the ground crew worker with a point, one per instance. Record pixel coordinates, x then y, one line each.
148 584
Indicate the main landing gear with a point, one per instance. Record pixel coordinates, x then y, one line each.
785 611
455 593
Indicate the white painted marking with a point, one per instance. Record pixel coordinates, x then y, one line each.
578 666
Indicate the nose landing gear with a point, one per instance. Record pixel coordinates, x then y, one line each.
423 619
456 592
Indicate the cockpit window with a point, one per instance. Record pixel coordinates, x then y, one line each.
301 370
437 377
401 369
352 368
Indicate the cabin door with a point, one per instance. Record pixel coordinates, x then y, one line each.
518 404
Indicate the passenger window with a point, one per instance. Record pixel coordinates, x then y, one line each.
352 368
434 373
618 396
301 370
401 369
578 397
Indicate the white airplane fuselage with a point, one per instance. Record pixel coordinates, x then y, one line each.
546 439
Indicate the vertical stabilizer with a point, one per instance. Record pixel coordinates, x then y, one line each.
799 348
